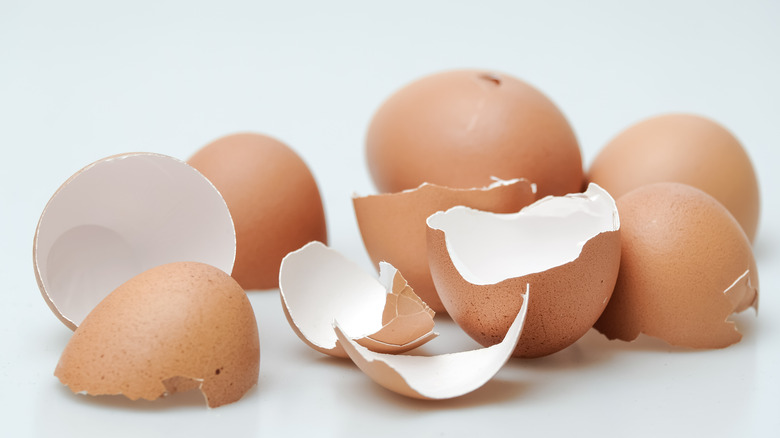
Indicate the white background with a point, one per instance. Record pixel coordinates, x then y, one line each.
83 80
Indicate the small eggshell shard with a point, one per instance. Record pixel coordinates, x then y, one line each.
566 247
437 377
273 198
175 327
318 285
393 225
686 266
120 216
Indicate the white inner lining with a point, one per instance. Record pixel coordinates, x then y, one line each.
487 248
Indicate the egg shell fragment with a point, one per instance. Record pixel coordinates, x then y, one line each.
437 377
683 148
686 267
318 285
273 198
172 328
567 248
121 216
393 225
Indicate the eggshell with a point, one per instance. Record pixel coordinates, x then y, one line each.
567 248
273 198
686 267
393 225
682 148
437 377
318 285
120 216
458 128
175 327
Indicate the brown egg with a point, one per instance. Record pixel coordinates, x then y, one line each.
393 225
273 198
565 249
176 327
682 148
686 266
459 128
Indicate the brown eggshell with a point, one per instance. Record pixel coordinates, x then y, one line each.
573 243
273 198
175 327
682 148
458 128
393 225
686 267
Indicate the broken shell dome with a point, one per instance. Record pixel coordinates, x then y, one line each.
567 248
686 267
173 328
120 216
318 285
393 225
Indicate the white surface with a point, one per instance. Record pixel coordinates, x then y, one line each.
80 81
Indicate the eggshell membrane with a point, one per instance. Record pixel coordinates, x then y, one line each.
319 285
175 327
437 377
273 198
458 128
567 249
682 148
686 267
120 216
393 225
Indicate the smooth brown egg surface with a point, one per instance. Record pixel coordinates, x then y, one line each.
272 197
682 148
172 328
459 128
686 266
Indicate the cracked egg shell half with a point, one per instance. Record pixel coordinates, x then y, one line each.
318 286
567 248
393 225
172 328
686 266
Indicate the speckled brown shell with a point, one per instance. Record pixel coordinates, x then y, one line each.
683 148
458 128
681 252
172 328
393 225
567 299
273 198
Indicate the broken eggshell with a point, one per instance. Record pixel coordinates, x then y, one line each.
393 225
566 247
173 328
686 267
318 285
437 377
120 216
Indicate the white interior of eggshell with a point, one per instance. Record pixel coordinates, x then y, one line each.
121 216
487 248
319 284
436 377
